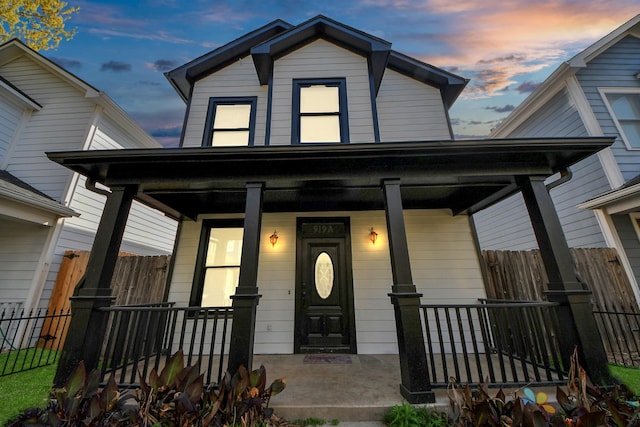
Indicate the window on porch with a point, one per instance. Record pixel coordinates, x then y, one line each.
320 111
218 265
624 108
230 122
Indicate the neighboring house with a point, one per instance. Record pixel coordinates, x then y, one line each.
45 209
317 175
595 93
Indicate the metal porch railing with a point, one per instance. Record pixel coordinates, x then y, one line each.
619 329
506 343
141 338
30 339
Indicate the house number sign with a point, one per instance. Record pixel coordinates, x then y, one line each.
323 230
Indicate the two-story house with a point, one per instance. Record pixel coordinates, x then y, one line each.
44 209
322 195
597 92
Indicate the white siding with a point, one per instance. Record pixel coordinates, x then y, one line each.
444 267
321 59
409 110
237 79
21 246
60 125
10 115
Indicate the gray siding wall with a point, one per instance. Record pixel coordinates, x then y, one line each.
616 67
630 243
507 225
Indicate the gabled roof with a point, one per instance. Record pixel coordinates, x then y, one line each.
16 190
14 48
183 77
279 38
554 82
376 49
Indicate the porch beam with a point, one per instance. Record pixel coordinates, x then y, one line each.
415 386
88 325
577 325
246 298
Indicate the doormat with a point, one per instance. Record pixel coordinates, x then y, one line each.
327 359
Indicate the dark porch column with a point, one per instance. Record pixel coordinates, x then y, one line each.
575 315
88 326
245 300
416 386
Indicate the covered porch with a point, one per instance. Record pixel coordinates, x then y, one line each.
460 176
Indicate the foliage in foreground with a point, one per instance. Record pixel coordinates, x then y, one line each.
406 415
583 404
175 397
38 23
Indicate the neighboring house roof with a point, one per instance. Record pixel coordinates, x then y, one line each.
625 198
278 38
555 82
15 48
19 191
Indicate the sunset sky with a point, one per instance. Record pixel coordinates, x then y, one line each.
506 48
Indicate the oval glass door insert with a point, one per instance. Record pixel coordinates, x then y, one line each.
324 275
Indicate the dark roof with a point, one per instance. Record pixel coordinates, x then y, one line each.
278 38
461 175
183 77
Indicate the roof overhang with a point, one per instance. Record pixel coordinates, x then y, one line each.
621 201
464 176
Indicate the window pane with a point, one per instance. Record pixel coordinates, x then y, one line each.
230 138
319 99
631 129
625 106
219 285
232 116
225 247
320 129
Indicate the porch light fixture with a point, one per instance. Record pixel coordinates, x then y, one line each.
373 236
274 238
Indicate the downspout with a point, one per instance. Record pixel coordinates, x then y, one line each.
90 184
565 175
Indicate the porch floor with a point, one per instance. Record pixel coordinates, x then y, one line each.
328 387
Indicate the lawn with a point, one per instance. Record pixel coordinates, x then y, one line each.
629 376
24 390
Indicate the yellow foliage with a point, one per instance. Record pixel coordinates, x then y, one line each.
38 23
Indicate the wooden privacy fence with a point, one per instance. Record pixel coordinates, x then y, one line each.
520 275
136 280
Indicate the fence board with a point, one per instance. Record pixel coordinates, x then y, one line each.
520 275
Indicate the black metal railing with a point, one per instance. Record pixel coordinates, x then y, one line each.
506 343
143 337
620 332
31 339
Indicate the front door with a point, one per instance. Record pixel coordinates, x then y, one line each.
324 287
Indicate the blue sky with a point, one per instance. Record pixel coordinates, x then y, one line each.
505 47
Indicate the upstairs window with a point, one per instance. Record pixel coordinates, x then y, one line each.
230 122
218 264
319 111
625 110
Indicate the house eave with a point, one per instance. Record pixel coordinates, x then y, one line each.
619 201
457 175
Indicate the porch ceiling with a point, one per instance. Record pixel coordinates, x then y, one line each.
464 175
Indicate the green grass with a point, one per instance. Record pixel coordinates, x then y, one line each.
24 358
22 390
629 376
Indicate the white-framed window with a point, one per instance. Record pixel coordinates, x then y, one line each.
319 113
623 105
230 122
218 263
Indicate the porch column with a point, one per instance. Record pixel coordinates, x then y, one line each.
245 300
88 325
416 386
575 314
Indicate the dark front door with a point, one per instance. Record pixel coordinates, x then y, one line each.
324 287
